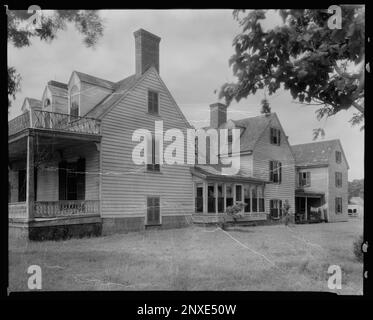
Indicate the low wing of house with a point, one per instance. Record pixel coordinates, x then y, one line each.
322 171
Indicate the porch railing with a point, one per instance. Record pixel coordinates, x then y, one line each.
65 208
54 121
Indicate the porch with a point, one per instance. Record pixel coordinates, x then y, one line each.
214 193
54 165
309 207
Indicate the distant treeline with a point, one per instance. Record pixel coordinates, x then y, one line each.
356 188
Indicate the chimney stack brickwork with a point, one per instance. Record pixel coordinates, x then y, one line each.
218 114
147 51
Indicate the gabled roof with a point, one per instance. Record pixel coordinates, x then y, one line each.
213 172
57 88
95 80
315 153
34 103
120 88
253 129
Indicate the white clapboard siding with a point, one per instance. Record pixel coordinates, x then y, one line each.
264 152
333 190
125 185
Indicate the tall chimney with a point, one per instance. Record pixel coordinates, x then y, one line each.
147 51
218 114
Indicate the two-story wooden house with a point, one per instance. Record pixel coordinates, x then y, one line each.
71 170
266 178
321 181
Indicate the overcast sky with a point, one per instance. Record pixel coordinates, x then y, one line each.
194 53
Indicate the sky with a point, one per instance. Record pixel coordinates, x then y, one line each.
194 52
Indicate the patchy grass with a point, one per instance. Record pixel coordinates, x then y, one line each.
196 258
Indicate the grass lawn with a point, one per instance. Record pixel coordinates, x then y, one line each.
196 258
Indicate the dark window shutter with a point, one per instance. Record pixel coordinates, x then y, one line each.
279 137
21 185
80 181
35 182
279 166
62 175
156 211
271 171
308 178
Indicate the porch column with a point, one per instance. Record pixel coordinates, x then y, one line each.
225 196
306 209
216 196
30 192
205 194
251 198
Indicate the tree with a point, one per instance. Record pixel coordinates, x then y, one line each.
318 65
21 32
356 188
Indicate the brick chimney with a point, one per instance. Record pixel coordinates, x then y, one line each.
218 114
147 51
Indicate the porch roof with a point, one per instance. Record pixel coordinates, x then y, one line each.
310 194
213 173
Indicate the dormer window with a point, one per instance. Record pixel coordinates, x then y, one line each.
74 101
275 136
47 103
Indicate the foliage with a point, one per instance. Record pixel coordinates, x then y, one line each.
14 80
357 248
20 33
235 212
318 65
265 107
356 188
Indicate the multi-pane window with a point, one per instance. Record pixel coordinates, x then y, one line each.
220 198
275 208
238 193
199 198
211 198
275 171
260 199
153 102
230 141
74 101
275 136
247 197
304 179
338 205
153 211
228 195
338 156
254 200
338 179
152 154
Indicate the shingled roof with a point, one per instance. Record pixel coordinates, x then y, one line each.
120 88
34 103
315 153
95 80
57 88
253 129
213 172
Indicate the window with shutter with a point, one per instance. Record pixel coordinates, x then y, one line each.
153 166
153 211
275 171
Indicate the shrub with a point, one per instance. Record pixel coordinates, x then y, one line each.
235 212
357 248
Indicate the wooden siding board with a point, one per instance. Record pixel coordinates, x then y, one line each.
263 152
125 185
